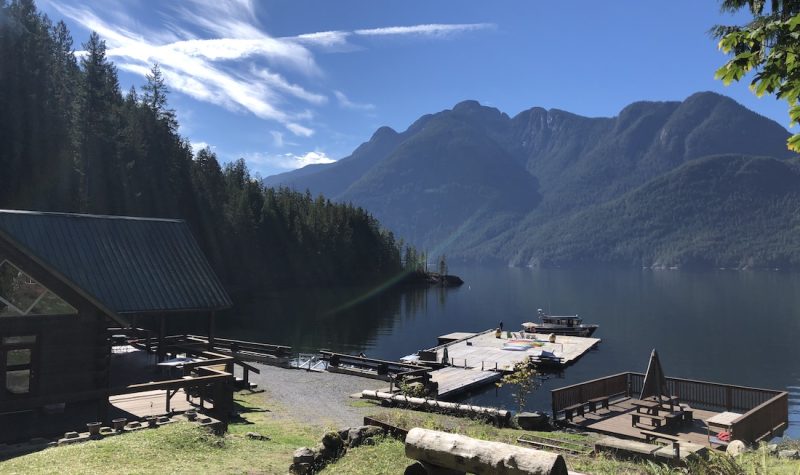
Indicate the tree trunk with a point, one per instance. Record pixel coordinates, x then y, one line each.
432 405
462 453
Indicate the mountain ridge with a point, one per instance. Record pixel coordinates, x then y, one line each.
480 185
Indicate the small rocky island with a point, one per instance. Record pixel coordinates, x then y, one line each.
430 279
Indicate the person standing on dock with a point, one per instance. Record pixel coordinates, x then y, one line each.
501 325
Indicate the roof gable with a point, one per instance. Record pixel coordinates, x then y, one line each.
129 265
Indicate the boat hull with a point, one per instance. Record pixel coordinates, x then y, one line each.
582 330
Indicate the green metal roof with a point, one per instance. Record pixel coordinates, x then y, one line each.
129 265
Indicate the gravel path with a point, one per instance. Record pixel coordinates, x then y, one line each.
321 399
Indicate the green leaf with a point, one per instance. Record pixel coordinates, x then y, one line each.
794 22
794 143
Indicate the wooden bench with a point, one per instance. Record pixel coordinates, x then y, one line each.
650 436
655 421
601 401
676 446
673 418
575 409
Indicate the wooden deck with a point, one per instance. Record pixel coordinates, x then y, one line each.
451 337
150 403
616 421
484 351
453 381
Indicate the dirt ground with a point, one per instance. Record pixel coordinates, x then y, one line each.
316 398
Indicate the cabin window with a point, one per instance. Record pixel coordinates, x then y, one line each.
21 295
17 355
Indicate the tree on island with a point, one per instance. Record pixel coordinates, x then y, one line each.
769 45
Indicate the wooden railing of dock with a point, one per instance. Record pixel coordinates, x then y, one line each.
615 385
764 420
708 395
764 411
382 368
237 346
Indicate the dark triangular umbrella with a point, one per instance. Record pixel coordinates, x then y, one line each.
655 384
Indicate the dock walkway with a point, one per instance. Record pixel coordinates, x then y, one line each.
452 380
484 351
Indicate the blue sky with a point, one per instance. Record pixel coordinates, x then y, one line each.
284 84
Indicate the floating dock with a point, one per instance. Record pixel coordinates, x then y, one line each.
478 359
452 380
483 351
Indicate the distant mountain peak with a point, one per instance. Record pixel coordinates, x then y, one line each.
467 105
384 132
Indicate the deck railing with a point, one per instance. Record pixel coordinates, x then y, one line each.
379 367
616 385
762 421
707 395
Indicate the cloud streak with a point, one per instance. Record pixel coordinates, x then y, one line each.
433 29
239 67
345 102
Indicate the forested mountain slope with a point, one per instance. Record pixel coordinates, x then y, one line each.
71 140
482 186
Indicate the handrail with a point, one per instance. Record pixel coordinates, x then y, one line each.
366 360
762 419
171 384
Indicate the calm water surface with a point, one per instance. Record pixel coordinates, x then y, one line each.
730 327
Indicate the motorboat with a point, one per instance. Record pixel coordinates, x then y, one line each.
571 325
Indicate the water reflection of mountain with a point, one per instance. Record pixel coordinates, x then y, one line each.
347 319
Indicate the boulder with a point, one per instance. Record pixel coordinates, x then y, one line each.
333 441
304 455
302 468
736 448
772 448
533 421
358 435
326 454
788 454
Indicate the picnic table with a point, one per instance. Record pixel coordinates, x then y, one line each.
646 407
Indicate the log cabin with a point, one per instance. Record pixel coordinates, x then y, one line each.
64 280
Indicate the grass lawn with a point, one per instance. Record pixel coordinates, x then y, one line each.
184 448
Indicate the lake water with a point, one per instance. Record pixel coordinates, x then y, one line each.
730 327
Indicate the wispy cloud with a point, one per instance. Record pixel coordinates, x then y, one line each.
300 130
287 161
345 102
277 138
217 52
433 29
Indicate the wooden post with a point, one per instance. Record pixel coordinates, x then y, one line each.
211 328
162 330
728 398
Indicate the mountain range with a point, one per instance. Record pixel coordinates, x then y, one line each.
703 182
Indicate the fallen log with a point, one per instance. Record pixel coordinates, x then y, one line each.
503 416
465 454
